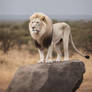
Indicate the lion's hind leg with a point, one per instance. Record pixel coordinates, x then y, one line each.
65 44
59 54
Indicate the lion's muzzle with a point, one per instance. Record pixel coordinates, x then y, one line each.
36 31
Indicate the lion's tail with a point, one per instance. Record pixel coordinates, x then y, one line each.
86 56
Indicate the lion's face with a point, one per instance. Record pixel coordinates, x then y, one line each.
37 28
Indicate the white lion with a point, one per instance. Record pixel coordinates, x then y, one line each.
48 35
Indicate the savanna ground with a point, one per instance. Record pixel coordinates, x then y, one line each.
17 49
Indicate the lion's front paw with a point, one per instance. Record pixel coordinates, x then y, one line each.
49 61
41 61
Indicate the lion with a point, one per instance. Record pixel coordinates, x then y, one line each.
48 35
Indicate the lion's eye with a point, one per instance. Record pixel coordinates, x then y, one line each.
37 22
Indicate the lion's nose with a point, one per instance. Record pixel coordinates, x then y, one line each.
33 28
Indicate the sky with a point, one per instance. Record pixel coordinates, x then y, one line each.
51 7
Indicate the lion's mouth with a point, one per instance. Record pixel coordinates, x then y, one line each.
36 31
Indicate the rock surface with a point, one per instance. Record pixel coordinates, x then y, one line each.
65 76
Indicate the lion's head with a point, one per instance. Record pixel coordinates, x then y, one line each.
40 26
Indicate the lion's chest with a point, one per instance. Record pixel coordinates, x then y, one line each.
45 43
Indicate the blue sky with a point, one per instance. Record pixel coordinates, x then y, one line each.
51 7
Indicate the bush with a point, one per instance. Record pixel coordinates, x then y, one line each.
14 35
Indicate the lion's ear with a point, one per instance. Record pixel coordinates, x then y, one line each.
43 19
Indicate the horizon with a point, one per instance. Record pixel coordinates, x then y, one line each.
58 17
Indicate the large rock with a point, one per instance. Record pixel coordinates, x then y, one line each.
65 76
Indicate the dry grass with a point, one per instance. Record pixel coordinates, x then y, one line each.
10 62
13 59
87 82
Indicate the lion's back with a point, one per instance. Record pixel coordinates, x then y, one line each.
58 30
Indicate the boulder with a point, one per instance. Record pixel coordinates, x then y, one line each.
65 76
